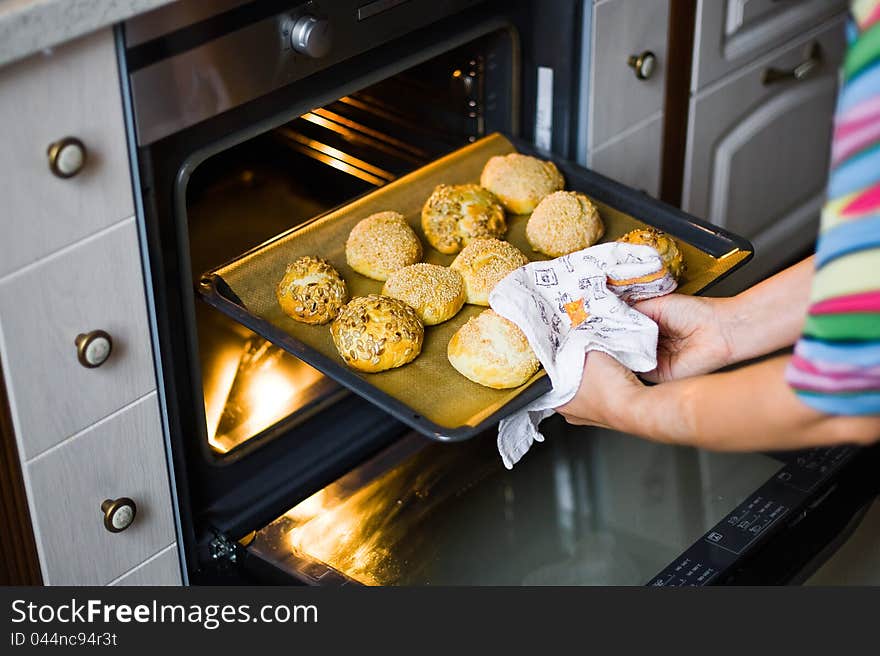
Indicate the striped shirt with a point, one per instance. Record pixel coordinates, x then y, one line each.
836 363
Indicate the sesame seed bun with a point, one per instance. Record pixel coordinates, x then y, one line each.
564 222
520 181
381 244
435 292
483 263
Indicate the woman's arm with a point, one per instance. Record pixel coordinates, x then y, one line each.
751 408
699 335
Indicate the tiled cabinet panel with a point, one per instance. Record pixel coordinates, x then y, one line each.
122 456
94 285
71 91
619 100
634 158
161 569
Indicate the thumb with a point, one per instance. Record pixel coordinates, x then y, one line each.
651 308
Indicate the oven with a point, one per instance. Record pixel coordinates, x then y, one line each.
249 118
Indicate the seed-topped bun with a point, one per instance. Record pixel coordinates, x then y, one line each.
483 263
662 243
454 215
564 222
492 351
374 333
520 181
435 292
311 290
381 244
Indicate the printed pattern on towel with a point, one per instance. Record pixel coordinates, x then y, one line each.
836 364
575 304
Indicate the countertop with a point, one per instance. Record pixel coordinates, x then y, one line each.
28 26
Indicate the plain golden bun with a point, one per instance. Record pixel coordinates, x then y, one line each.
374 333
492 351
564 222
483 263
520 181
660 242
381 244
311 290
454 215
435 292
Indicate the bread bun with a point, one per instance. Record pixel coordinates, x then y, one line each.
311 290
660 242
381 244
520 181
564 222
435 292
374 333
492 351
454 215
483 263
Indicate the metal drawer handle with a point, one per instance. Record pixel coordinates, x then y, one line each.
643 65
119 514
93 348
799 72
67 157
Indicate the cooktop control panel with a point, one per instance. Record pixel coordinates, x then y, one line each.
783 500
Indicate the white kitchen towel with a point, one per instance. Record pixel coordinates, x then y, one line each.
575 304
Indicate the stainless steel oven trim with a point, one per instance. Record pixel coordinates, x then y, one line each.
182 90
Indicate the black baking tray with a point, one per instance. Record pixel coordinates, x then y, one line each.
428 394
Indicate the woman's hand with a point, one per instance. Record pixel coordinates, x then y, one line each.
605 395
695 337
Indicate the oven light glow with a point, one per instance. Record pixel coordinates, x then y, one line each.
269 394
217 397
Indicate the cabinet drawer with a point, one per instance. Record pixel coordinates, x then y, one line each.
72 92
633 159
731 33
757 155
122 456
619 99
161 569
98 284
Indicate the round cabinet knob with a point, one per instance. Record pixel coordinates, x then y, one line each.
311 36
67 157
93 348
119 513
643 65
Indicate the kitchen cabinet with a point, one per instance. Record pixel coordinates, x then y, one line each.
732 33
626 83
75 344
758 146
119 457
97 284
72 92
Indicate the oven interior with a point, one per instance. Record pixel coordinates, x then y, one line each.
250 193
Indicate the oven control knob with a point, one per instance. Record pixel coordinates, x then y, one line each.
118 514
311 36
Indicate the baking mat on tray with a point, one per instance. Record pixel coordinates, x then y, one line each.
428 394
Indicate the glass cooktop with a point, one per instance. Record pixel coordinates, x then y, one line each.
585 507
